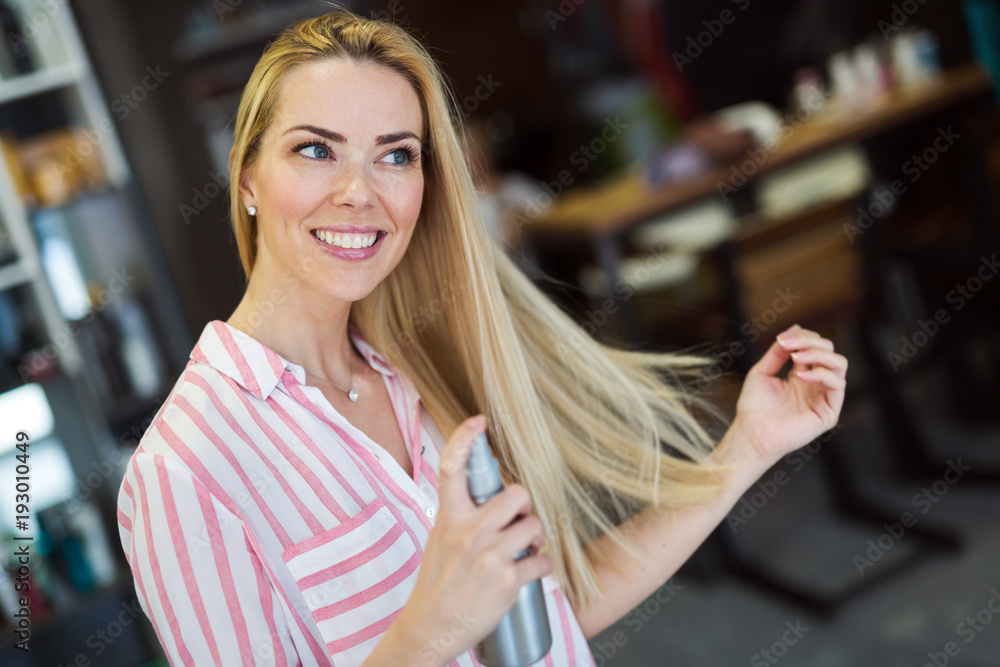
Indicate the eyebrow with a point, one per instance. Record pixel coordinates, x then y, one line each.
341 139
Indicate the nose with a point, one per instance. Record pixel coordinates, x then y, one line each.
353 189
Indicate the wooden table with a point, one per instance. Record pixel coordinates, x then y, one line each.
603 214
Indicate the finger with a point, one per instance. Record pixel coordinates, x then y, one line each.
772 361
798 339
504 508
523 533
453 487
824 376
807 332
815 356
534 567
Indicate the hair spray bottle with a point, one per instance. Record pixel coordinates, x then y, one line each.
523 636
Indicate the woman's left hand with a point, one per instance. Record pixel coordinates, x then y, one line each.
777 416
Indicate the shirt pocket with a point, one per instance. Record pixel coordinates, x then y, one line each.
355 578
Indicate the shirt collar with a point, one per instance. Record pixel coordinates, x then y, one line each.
256 367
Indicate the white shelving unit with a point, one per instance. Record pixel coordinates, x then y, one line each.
65 70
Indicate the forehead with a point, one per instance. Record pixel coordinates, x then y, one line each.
358 100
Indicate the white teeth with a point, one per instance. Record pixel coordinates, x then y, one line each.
347 240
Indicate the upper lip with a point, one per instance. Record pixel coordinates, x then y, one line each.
346 229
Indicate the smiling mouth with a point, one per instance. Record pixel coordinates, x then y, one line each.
352 241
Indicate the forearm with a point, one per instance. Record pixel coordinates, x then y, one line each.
667 537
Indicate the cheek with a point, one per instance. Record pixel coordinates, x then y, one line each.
405 203
291 194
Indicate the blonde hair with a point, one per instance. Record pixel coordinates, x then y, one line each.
594 433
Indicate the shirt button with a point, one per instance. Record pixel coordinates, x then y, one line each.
429 512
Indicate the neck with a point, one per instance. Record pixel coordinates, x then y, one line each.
305 328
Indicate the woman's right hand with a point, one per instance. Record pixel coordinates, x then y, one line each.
468 578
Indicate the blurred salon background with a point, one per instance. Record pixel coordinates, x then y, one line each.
677 175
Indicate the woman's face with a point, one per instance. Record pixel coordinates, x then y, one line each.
339 167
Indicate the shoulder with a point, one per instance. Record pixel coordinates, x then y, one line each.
201 408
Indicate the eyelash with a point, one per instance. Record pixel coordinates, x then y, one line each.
411 155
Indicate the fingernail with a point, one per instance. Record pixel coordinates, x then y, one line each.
796 326
477 423
784 338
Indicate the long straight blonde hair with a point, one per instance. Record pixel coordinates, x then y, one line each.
594 433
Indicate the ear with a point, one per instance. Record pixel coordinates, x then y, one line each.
248 188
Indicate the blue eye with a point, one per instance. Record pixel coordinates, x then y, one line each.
318 151
408 155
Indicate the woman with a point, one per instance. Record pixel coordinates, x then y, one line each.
295 501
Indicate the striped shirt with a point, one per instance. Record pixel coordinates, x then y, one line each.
263 528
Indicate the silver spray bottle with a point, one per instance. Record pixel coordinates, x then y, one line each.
523 636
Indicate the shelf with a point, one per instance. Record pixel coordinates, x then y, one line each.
42 81
241 32
14 274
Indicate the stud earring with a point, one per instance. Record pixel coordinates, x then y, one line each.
252 210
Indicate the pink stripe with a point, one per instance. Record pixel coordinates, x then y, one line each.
315 525
372 630
161 589
369 594
401 408
370 465
353 562
322 457
224 568
317 649
274 361
265 594
282 537
548 659
226 338
567 633
332 534
415 439
429 473
195 464
124 521
183 557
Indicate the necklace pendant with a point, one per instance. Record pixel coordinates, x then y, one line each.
353 395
